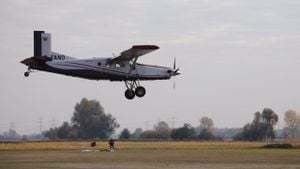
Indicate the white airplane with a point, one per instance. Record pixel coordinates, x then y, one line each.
120 68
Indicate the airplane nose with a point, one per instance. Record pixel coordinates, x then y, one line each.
173 72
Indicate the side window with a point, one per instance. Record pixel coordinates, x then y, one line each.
99 64
122 65
131 62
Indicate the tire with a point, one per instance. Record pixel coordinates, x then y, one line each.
140 91
129 94
26 74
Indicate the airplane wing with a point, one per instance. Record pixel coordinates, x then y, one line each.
134 52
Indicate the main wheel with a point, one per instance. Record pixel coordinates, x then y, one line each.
140 91
129 94
26 74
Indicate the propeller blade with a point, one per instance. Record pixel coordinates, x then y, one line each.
174 83
174 65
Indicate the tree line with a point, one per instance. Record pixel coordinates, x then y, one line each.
162 131
89 121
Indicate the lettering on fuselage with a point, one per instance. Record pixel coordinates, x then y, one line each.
58 57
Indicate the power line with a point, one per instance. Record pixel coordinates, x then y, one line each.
12 126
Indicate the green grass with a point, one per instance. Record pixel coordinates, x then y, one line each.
147 155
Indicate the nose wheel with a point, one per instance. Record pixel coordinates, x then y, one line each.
134 89
26 74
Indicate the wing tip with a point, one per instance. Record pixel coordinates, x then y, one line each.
145 47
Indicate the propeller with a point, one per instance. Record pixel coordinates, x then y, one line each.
175 69
174 72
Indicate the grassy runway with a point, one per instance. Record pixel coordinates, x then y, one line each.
147 155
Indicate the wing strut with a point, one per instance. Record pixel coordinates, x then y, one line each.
132 66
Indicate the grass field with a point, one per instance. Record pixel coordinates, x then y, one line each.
147 155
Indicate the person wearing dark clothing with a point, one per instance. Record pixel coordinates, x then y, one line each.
93 144
111 143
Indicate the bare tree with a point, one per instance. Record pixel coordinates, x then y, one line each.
207 124
292 123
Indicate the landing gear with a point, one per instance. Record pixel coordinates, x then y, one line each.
26 74
129 94
140 91
134 89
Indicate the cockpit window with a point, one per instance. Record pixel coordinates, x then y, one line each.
115 65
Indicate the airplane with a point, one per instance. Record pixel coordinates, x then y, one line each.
123 67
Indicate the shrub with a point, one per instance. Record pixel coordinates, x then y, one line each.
281 146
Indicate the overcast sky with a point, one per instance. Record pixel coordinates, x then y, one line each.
236 57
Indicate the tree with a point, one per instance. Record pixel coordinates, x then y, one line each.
52 133
186 132
163 130
207 135
207 124
66 131
125 134
91 121
292 124
270 118
149 134
137 133
260 128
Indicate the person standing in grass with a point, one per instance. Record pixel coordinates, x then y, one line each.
111 143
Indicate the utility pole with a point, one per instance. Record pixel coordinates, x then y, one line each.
172 122
52 123
41 124
12 126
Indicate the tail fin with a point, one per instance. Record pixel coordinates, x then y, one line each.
42 43
42 47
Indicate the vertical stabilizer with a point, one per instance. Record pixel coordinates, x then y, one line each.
42 43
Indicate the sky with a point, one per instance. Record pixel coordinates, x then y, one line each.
236 57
